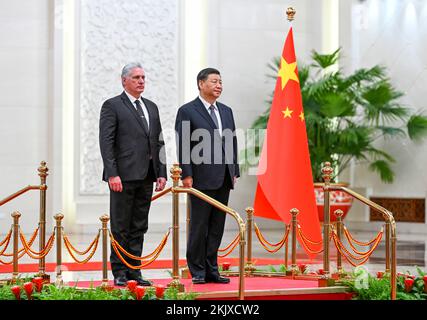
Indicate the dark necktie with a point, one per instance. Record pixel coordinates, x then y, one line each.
141 113
213 115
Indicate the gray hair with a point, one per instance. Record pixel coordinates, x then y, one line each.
127 68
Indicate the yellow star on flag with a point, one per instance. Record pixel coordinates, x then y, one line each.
287 72
302 116
287 113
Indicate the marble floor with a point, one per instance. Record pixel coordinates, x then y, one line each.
411 253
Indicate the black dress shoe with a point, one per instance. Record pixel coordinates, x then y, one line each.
198 280
120 281
218 280
143 282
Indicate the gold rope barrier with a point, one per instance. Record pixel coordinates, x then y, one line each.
277 245
142 265
231 250
43 173
391 236
21 251
6 242
342 248
236 239
20 255
378 236
17 254
351 238
7 238
342 254
117 248
363 255
263 240
304 243
37 254
70 249
6 262
81 253
307 239
158 249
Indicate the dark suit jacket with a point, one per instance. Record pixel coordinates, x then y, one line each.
125 145
207 175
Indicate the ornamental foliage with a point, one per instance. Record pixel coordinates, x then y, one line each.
347 117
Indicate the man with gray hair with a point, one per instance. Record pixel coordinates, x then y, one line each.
134 158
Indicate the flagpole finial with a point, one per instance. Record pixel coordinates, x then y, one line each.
290 12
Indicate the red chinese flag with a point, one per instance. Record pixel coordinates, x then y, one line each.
284 171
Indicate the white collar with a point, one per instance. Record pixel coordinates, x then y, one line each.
207 104
132 98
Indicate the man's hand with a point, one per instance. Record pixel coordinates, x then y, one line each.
187 182
160 184
115 184
234 180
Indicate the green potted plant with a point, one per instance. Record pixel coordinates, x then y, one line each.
346 115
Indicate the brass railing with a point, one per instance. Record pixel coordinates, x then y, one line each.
391 239
42 172
176 189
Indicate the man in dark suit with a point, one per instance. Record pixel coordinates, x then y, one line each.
207 153
133 154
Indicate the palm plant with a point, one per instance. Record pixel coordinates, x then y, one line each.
347 115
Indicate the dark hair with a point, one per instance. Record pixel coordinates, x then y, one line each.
204 74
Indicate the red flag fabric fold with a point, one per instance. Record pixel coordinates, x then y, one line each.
284 172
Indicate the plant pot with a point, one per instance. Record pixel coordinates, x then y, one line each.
337 200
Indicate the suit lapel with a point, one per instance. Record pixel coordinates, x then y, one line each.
150 116
223 116
132 109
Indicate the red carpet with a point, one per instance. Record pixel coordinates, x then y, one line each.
251 283
258 288
97 265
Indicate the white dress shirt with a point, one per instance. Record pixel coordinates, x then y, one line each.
144 108
207 105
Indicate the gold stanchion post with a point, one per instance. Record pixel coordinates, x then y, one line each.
326 175
242 261
339 213
294 266
249 225
15 215
286 249
387 246
175 175
104 219
185 272
43 169
393 259
58 232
